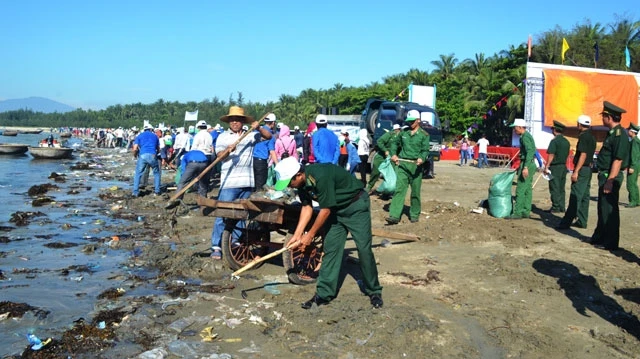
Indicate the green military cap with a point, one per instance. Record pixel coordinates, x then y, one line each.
611 109
558 126
634 128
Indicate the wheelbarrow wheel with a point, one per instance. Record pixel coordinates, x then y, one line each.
243 241
303 266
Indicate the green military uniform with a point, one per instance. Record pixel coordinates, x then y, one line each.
524 192
614 147
335 188
559 147
581 189
382 145
634 163
409 146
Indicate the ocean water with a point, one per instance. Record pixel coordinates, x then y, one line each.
45 277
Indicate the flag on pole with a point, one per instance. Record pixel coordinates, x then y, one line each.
191 116
565 47
529 47
627 57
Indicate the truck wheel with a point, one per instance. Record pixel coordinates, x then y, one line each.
303 266
372 121
250 240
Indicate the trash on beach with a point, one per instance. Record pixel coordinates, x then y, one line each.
478 210
386 243
101 325
35 342
208 335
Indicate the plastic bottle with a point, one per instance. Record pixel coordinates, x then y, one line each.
34 341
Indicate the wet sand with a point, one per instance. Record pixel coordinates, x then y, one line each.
473 287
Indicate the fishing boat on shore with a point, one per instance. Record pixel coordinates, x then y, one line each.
65 135
53 152
9 133
13 148
30 132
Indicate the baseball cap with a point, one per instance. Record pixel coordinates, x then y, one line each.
518 122
285 170
584 120
147 126
270 118
412 115
322 119
396 126
296 128
201 123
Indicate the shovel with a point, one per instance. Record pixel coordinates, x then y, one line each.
174 200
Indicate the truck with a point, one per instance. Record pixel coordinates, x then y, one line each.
379 116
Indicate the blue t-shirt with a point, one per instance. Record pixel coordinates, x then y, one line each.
262 146
148 142
195 155
214 136
326 147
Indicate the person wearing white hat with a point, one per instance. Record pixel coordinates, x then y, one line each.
299 138
344 208
524 190
412 148
326 146
382 148
580 195
180 146
264 150
145 150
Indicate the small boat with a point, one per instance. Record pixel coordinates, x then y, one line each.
53 153
13 148
10 133
30 132
65 135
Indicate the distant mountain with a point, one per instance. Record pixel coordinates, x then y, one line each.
36 104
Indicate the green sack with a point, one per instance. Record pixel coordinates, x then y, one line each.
178 175
500 194
388 172
271 176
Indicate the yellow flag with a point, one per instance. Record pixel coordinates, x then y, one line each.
565 47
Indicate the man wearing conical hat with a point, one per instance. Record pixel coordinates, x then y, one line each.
236 174
634 167
580 195
613 157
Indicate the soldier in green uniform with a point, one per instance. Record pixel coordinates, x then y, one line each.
524 191
558 151
383 146
612 159
581 177
634 167
344 208
409 152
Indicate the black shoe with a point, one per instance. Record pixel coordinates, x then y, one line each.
315 300
578 225
391 220
414 220
376 300
562 226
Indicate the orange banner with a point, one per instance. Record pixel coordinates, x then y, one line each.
569 94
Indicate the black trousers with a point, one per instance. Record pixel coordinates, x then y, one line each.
260 172
363 169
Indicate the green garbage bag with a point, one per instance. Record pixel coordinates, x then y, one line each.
271 176
178 175
388 172
500 194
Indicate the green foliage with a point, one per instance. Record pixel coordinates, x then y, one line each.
467 90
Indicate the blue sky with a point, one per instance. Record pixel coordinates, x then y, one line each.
92 54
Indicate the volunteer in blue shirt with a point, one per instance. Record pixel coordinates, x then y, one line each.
262 152
145 148
192 164
326 146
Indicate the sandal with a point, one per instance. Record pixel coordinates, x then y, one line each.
216 254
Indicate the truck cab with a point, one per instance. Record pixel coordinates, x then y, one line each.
379 116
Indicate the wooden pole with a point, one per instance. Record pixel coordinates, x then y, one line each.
259 260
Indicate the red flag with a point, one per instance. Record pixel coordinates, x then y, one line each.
529 47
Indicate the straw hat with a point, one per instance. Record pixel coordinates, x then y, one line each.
235 111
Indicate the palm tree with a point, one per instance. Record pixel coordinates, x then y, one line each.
445 66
